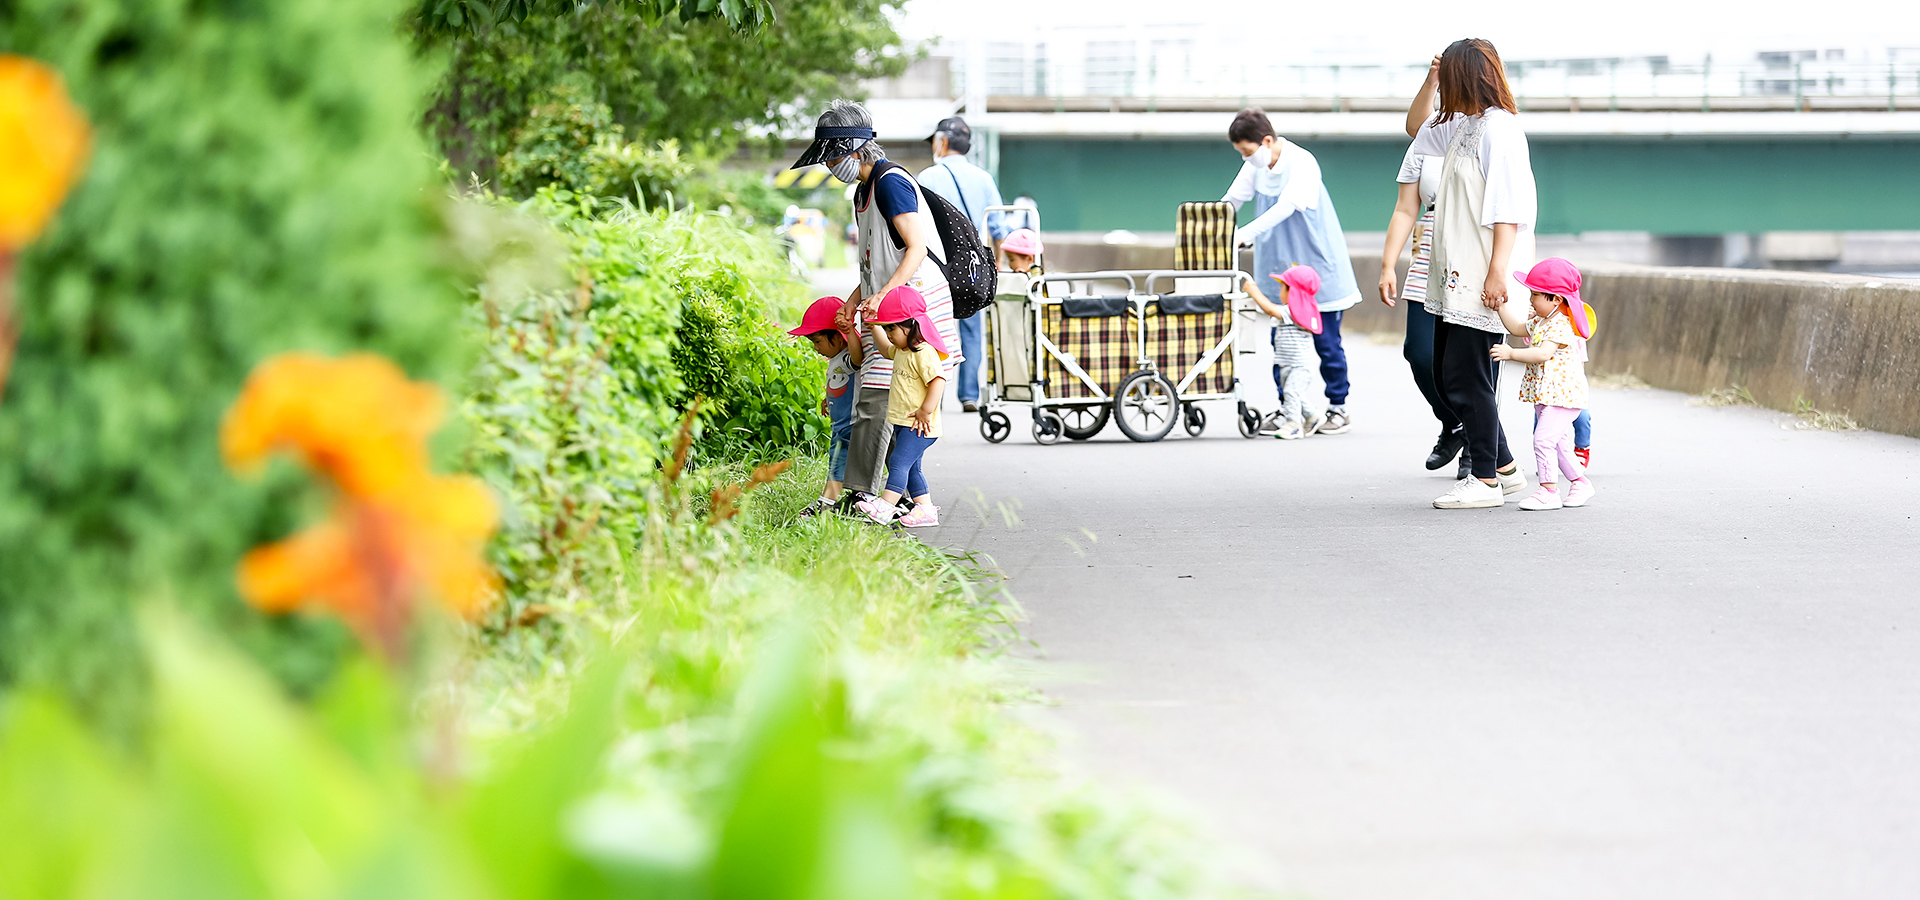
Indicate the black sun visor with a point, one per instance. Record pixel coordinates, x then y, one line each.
831 142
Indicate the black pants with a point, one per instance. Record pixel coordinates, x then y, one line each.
1466 374
1418 350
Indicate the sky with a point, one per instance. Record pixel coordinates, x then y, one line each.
1396 32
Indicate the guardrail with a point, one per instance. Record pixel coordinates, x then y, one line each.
1175 69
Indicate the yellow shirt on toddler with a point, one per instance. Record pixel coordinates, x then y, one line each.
912 372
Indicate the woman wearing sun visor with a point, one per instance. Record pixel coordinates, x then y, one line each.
897 245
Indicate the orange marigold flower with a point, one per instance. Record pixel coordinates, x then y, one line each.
43 144
399 529
357 420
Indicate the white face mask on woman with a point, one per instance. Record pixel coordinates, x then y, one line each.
847 169
1262 157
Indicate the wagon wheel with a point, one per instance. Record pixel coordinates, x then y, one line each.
1083 422
1195 420
1047 427
995 427
1249 421
1147 405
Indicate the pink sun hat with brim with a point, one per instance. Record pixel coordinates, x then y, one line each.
1554 275
819 317
903 303
1302 283
1023 241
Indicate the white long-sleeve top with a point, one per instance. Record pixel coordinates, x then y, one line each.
1294 175
1505 161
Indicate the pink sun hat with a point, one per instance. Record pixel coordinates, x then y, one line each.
819 317
1023 241
1302 283
903 303
1554 275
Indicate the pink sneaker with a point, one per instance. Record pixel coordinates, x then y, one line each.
878 510
1542 499
1579 493
923 516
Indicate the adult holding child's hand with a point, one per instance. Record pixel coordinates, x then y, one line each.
1484 212
897 245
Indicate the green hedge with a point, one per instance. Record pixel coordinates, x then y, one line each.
258 184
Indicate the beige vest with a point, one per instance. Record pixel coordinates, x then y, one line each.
1462 247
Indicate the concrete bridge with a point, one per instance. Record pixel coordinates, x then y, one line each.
1644 145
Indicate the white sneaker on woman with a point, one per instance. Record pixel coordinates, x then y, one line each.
1512 482
1470 493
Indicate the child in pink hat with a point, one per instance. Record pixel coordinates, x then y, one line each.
1556 380
1022 247
905 333
1303 401
843 364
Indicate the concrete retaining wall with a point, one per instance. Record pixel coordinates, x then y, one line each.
1842 343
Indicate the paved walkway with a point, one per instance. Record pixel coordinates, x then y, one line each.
1706 684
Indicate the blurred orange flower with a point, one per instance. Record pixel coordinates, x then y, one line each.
43 142
398 529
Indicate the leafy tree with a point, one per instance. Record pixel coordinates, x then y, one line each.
702 82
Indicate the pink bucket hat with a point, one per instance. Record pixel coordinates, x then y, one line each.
819 317
1023 241
903 303
1554 275
1302 283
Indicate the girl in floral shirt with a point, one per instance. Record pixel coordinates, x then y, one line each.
1556 379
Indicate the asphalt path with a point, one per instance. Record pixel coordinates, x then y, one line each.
1705 684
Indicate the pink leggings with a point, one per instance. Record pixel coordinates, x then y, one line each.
1553 441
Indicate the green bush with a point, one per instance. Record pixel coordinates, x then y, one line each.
689 304
257 185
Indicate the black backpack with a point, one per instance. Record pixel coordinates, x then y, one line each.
971 274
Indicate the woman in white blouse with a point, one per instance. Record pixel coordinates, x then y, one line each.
1482 231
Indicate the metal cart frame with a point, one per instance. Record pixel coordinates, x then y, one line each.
1147 403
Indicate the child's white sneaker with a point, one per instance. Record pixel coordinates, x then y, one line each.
1513 482
1291 430
1578 494
1471 493
1542 499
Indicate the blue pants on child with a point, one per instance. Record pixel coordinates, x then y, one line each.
838 441
1333 362
1583 429
903 462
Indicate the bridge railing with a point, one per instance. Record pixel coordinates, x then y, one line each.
1177 70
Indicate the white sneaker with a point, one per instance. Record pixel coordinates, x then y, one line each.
1542 499
1512 484
1470 493
1291 430
1578 494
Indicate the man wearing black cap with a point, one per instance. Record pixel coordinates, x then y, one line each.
970 188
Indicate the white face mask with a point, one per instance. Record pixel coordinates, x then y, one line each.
1262 157
848 169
